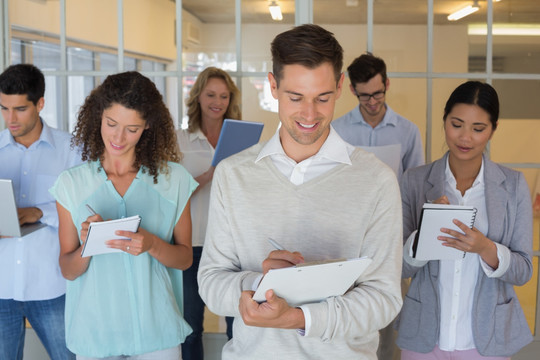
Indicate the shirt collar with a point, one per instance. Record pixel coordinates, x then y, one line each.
451 179
45 136
197 134
334 148
388 119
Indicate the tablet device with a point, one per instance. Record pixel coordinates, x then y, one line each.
235 136
9 219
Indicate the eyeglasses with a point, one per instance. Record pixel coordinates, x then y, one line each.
376 95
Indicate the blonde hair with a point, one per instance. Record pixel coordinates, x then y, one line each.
192 103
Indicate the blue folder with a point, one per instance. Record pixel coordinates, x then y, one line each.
235 136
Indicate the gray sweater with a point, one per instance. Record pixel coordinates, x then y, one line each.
350 211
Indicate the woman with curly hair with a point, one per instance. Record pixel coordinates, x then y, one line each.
213 98
126 303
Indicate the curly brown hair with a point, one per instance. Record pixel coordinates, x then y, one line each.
192 103
132 90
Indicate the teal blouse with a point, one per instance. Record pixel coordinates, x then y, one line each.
125 304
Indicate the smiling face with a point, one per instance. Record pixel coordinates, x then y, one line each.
468 129
22 117
373 109
121 129
306 98
214 99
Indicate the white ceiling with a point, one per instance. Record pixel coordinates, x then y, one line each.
385 11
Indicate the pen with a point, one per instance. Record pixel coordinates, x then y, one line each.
275 244
92 211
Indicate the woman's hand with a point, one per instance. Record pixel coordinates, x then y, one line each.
471 240
85 225
443 200
205 178
136 243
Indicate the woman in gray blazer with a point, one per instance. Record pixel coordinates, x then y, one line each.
467 308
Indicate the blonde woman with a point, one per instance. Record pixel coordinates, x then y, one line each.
213 98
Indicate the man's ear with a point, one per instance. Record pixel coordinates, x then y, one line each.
340 85
273 85
353 91
40 104
387 85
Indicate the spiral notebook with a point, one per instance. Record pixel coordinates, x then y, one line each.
426 246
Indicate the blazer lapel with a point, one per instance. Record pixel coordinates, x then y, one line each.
436 180
496 199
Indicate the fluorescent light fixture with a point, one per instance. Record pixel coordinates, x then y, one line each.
467 10
275 11
505 29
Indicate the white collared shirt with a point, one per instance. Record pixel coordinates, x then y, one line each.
457 278
29 269
333 152
197 159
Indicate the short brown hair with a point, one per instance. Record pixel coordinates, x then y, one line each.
192 103
366 67
308 45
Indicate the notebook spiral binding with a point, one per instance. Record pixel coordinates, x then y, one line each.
473 218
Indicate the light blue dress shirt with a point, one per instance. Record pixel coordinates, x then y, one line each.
29 268
125 304
393 129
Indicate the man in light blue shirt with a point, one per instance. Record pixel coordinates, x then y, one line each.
373 123
374 126
31 155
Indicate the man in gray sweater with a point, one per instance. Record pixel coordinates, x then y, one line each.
320 198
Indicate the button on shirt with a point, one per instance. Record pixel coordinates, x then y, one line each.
29 267
458 278
333 152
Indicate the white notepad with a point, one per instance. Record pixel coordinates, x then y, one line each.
312 283
100 232
426 246
235 136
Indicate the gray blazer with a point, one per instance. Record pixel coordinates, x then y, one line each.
499 325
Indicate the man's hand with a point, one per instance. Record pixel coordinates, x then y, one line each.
274 313
29 215
278 259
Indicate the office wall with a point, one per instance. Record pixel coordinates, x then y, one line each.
148 24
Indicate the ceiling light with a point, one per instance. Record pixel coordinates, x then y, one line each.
506 29
275 11
467 10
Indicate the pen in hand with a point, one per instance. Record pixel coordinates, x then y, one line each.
92 211
275 244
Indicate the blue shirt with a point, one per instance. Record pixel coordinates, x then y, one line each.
125 304
29 269
393 129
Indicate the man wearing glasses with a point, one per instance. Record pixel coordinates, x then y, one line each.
374 125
